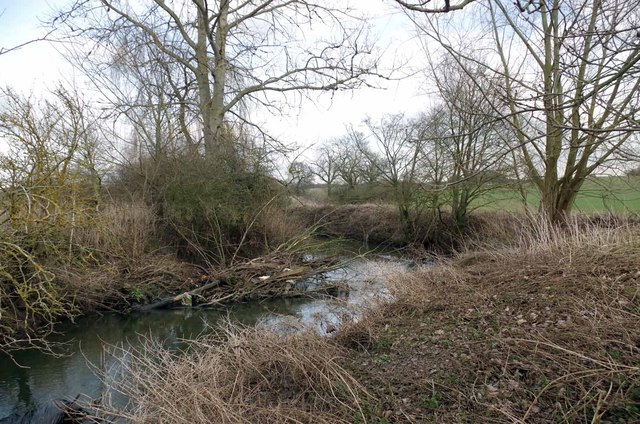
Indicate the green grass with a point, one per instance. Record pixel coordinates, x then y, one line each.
601 194
598 194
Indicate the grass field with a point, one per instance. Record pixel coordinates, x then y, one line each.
602 194
598 194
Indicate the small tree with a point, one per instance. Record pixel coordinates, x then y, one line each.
467 137
399 165
350 158
49 192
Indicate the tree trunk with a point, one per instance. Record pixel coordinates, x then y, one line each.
221 144
557 200
202 79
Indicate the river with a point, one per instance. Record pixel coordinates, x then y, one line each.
41 378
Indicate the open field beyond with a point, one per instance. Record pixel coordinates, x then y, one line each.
603 194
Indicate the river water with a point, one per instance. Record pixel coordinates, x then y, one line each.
40 378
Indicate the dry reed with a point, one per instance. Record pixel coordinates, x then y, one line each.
239 375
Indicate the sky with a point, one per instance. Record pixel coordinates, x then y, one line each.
34 67
40 66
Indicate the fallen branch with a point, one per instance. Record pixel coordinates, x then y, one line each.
181 298
251 280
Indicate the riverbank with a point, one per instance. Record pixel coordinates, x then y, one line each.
119 266
544 331
42 380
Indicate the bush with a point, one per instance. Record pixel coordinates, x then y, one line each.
208 212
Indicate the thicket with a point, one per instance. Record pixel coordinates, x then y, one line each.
207 212
48 195
80 232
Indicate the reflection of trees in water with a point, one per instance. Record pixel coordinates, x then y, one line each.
25 398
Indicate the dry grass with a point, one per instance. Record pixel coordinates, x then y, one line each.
121 229
367 222
279 227
115 284
500 230
239 376
545 331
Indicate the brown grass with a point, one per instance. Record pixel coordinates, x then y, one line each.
239 376
279 227
546 331
116 284
120 229
367 222
499 230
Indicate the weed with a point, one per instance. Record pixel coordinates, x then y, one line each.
384 342
137 294
614 354
430 402
381 359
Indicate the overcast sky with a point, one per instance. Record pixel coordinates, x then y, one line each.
39 66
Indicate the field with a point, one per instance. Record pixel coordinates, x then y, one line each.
598 194
602 194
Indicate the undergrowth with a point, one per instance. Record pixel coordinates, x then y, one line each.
238 375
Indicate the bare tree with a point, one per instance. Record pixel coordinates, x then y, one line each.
350 160
148 108
570 80
399 164
325 165
234 54
441 6
49 192
467 138
300 176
